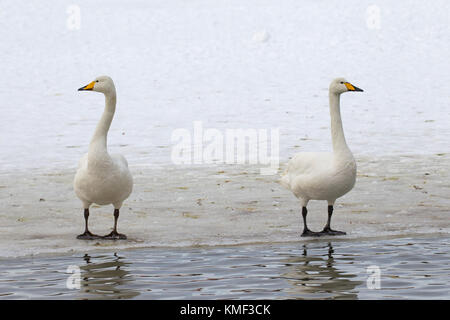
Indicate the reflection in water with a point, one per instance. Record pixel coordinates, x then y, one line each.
319 270
105 277
317 276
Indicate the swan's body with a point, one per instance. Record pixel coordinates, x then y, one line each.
102 178
324 176
320 176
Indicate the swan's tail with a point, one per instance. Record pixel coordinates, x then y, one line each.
285 181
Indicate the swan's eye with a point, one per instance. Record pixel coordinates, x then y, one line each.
341 82
97 81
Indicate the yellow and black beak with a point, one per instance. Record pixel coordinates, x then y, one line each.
351 87
90 86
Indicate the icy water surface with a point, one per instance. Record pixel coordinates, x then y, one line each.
410 268
227 205
174 63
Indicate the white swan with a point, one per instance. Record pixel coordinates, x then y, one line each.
324 176
102 178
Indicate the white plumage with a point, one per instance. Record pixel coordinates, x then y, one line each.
102 178
326 175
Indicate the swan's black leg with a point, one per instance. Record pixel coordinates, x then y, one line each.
87 235
306 231
114 235
327 230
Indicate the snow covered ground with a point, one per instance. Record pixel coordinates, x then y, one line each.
224 206
230 64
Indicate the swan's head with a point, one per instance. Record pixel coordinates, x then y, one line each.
340 85
102 84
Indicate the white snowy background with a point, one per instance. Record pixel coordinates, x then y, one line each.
230 64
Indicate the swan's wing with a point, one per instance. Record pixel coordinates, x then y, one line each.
120 160
306 164
125 177
83 161
309 162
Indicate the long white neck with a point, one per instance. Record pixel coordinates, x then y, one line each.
337 131
98 145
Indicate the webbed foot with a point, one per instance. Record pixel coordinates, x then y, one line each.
87 235
114 235
331 232
309 233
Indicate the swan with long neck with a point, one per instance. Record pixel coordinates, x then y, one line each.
102 178
324 176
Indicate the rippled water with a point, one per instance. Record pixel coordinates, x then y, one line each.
410 268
